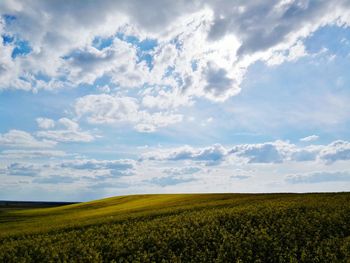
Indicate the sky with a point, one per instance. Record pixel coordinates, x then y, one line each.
106 98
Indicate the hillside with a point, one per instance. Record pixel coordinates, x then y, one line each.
182 228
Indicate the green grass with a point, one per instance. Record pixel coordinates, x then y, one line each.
113 209
182 228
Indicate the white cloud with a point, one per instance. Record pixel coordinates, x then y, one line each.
310 138
159 171
280 56
119 61
45 123
279 151
165 100
96 164
210 155
265 25
218 83
182 172
201 51
69 132
69 124
319 177
263 153
105 108
150 122
203 47
82 169
270 152
22 139
55 179
169 181
335 151
112 109
66 136
23 154
22 169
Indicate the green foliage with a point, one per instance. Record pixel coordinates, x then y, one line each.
184 228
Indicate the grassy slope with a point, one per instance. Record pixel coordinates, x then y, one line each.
20 221
182 228
23 221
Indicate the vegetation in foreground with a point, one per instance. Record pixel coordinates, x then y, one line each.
182 228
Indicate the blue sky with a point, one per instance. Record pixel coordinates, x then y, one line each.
198 97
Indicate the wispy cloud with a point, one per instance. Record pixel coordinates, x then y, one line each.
310 138
319 177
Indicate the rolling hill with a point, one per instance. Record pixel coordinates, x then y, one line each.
181 228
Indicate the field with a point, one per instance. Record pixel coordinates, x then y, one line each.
181 228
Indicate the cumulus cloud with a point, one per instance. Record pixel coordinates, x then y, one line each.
293 53
45 123
263 153
105 108
112 109
66 136
68 131
218 83
264 25
64 171
210 155
22 139
99 169
274 152
119 61
335 151
69 124
154 58
161 99
203 48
